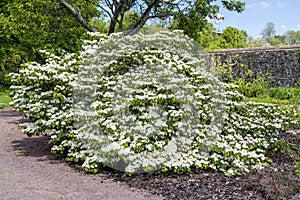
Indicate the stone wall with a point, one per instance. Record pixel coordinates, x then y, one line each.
280 65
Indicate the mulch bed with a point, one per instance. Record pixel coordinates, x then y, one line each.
278 181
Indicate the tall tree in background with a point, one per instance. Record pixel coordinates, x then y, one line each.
277 40
269 34
292 37
269 31
191 15
194 20
234 38
231 38
207 36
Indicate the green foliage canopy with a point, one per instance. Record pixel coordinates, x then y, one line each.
189 15
292 37
194 20
231 38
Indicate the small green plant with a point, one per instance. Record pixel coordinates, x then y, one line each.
228 70
290 149
255 88
298 82
24 152
279 184
225 71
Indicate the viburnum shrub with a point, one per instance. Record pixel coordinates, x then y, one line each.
144 103
43 94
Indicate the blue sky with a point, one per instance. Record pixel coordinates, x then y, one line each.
285 14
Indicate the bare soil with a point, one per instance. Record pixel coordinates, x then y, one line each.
29 171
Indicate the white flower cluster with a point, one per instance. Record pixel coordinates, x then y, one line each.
144 103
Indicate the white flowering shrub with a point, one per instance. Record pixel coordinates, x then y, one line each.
43 94
144 103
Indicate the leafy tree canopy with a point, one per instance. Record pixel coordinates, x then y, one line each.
269 35
231 38
292 37
277 40
189 15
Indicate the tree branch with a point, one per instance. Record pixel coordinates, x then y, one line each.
106 11
78 16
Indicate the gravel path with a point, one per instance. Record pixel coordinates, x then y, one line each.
29 171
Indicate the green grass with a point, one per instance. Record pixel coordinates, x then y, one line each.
267 99
4 98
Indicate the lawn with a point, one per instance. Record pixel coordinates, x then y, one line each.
267 99
4 98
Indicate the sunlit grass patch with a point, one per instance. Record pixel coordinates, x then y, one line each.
4 99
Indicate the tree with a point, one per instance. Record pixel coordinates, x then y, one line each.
100 24
195 19
127 20
269 31
231 38
234 37
191 15
27 26
269 34
292 37
277 40
207 36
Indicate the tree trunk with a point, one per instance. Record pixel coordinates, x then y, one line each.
113 22
121 22
78 16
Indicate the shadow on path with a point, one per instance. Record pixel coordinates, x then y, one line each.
7 112
37 146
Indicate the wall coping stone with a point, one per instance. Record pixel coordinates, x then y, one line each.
256 49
